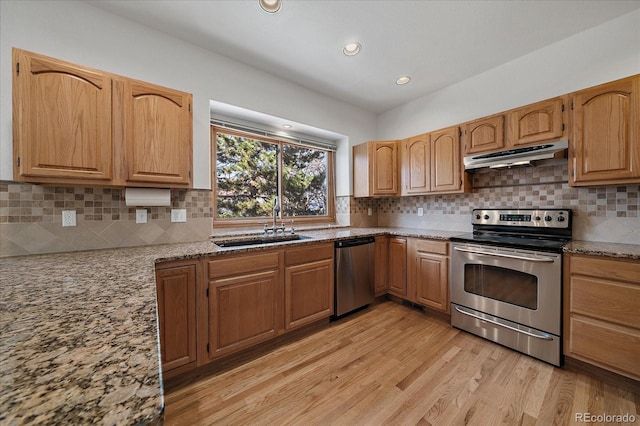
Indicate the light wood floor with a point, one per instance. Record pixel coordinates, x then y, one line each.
394 365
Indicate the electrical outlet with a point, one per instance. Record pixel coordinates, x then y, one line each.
370 211
178 215
420 211
69 218
141 215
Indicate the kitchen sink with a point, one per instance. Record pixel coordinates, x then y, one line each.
263 239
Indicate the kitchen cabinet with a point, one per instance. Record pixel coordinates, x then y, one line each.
176 295
428 264
397 266
431 163
244 301
381 258
375 169
308 284
605 145
61 121
157 124
485 134
535 123
601 299
77 125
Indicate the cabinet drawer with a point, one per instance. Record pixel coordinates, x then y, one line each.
308 254
610 269
432 246
607 300
614 346
242 264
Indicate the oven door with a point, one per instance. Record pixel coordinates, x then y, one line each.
521 286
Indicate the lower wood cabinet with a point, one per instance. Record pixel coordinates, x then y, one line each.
308 285
397 266
428 265
244 301
176 292
602 319
381 256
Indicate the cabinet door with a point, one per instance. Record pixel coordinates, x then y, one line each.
398 266
486 134
416 165
308 293
606 134
157 134
446 163
384 170
432 280
242 311
176 290
381 254
536 123
61 121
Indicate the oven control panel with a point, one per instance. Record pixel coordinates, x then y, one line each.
547 218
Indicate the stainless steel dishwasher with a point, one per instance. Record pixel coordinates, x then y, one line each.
354 274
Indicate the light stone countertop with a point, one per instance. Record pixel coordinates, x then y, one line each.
78 330
595 248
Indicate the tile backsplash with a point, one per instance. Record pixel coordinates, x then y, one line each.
30 215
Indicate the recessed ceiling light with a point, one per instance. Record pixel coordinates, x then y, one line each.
270 6
286 126
351 49
403 80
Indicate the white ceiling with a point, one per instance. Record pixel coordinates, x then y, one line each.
437 43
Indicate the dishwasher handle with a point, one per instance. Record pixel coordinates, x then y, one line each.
352 242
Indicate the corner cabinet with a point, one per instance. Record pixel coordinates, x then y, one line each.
77 125
176 284
605 148
375 169
308 285
602 319
431 163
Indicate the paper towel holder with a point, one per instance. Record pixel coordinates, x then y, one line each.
147 197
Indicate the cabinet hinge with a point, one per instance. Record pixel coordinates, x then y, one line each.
18 68
571 105
207 347
563 127
562 107
460 133
18 161
207 292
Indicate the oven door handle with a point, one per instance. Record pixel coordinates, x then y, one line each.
539 335
511 256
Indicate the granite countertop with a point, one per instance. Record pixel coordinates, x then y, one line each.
78 330
595 248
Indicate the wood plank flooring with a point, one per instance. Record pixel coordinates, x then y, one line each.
394 365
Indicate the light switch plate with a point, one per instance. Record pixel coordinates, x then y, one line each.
178 215
141 215
420 211
69 218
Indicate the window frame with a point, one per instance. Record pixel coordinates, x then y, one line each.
329 218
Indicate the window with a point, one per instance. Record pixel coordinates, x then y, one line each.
251 170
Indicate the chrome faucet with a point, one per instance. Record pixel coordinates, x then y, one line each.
276 210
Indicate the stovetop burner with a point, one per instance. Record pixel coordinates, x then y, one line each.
535 229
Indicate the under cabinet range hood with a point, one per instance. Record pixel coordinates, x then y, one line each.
517 156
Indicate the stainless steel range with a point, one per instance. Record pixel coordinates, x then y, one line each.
506 279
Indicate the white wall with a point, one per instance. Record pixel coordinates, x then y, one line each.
603 53
80 33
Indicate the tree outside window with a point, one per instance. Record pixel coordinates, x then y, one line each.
252 170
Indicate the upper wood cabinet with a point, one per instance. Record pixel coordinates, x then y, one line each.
432 163
157 134
61 121
77 125
485 134
605 147
375 169
535 123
